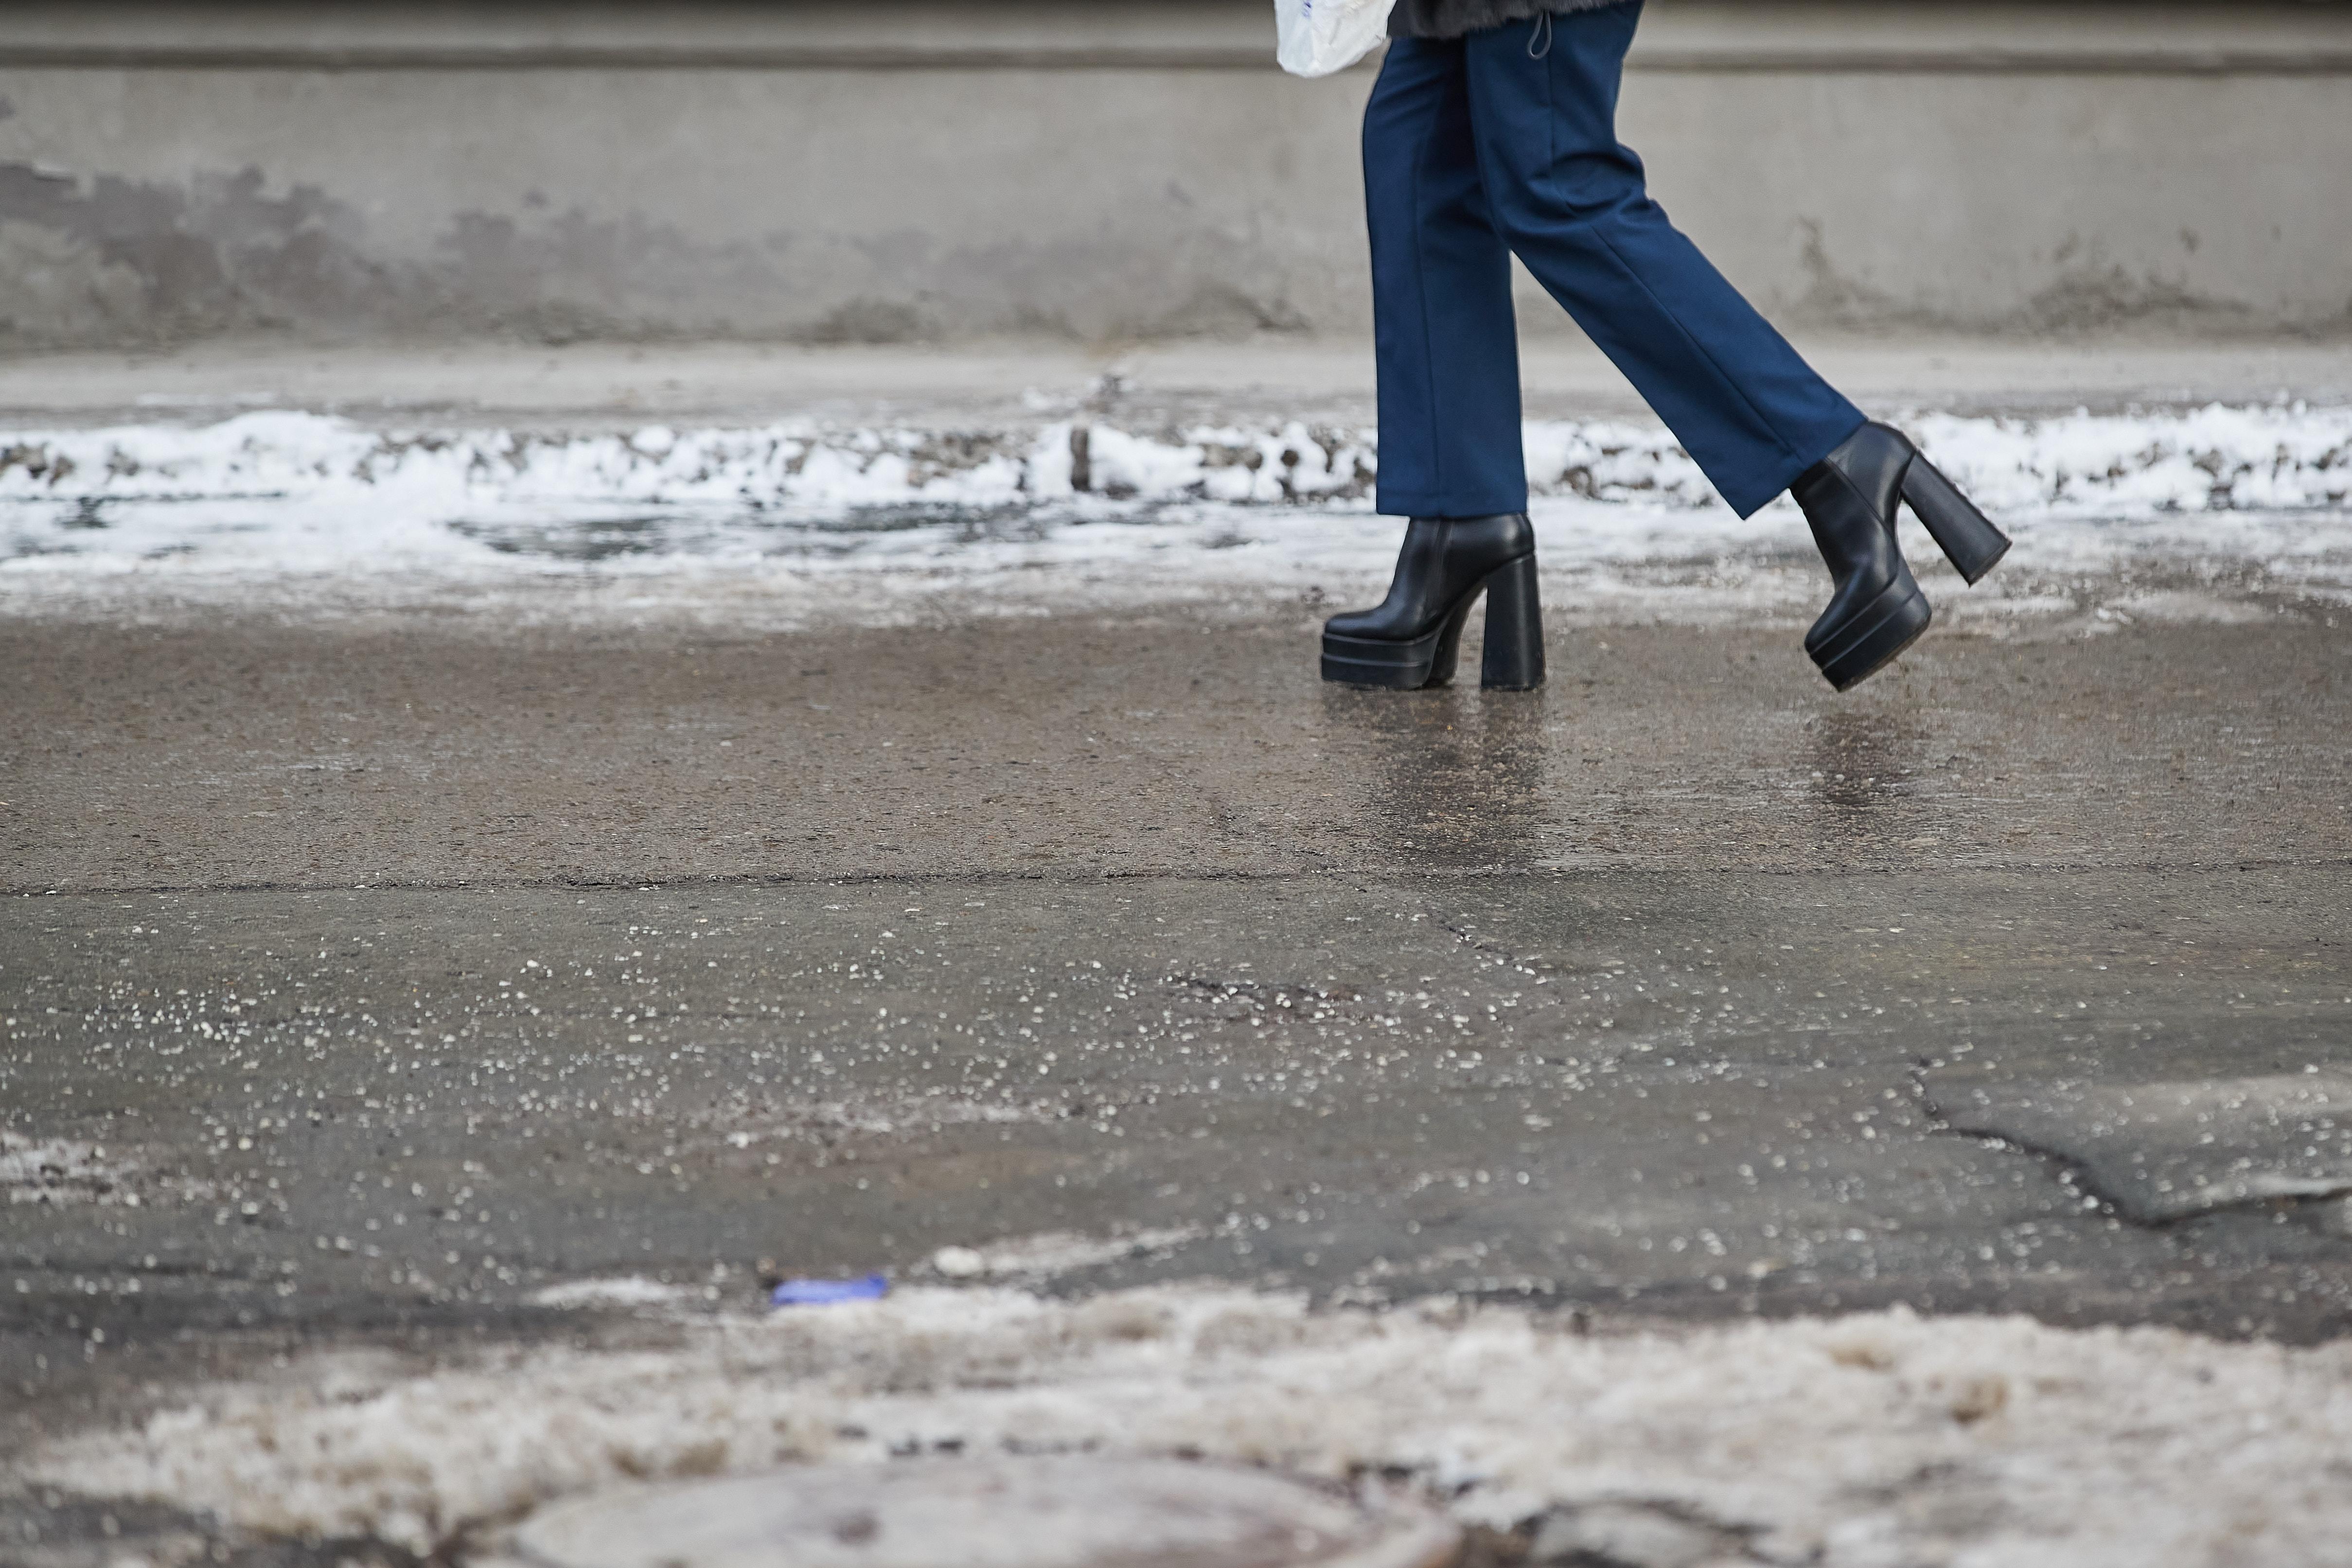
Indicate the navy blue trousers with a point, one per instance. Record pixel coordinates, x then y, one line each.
1506 142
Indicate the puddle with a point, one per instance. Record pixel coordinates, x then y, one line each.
1456 773
1863 762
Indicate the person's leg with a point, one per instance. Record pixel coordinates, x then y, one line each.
1571 201
1448 340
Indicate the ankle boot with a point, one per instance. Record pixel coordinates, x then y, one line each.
1850 497
1412 640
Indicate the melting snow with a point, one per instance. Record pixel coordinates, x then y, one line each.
1854 1443
801 519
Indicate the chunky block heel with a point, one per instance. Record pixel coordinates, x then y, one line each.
1968 537
1515 647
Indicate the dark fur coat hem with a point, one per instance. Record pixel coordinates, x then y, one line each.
1451 18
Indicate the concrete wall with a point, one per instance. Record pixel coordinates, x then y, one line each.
902 171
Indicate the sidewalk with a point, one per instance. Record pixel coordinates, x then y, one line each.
449 972
599 386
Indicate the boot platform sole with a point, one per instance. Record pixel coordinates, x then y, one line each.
1396 667
1876 635
1514 659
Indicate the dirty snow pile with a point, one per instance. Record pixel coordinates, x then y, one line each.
1863 1442
2219 458
295 492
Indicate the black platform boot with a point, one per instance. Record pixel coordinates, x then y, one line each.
1412 640
1850 496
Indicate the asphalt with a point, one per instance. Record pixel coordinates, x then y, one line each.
360 980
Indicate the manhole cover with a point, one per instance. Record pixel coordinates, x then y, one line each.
985 1513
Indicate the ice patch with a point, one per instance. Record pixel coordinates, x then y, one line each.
1852 1443
1056 1252
633 1290
62 1171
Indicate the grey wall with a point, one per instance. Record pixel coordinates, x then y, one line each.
885 171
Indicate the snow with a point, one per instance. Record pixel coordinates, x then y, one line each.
797 521
1862 1442
1063 1511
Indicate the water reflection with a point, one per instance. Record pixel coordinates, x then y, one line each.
1454 774
1864 761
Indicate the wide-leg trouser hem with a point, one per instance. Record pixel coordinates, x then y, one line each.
1443 504
1777 481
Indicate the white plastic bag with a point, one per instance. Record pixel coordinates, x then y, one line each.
1319 36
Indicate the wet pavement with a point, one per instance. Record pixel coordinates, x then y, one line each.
209 752
360 985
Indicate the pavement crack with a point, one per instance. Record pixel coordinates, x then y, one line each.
1470 938
2077 1175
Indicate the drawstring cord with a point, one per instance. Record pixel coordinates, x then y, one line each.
1542 29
